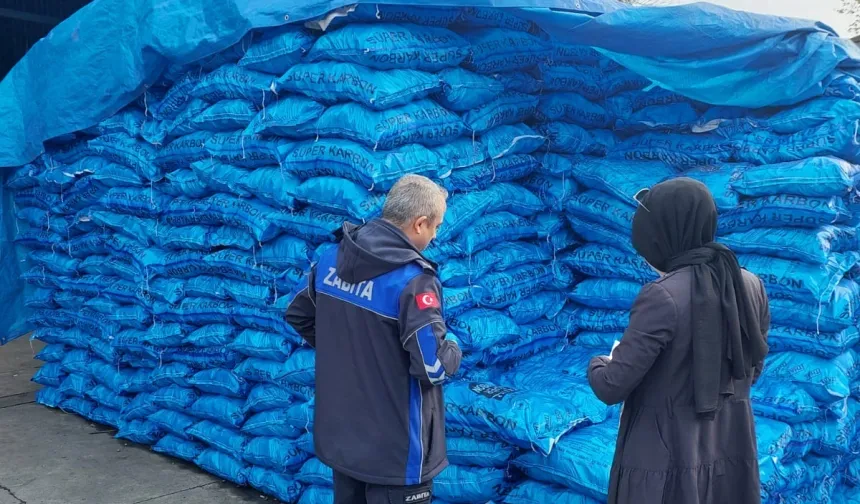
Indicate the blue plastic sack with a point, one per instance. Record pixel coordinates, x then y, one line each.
825 345
299 368
273 423
223 465
221 382
281 455
179 448
226 411
76 361
290 117
459 153
227 440
220 177
542 304
510 107
76 385
838 138
527 419
481 328
314 472
211 335
173 422
423 122
802 282
567 138
49 396
457 484
674 117
232 82
813 177
333 82
226 115
128 151
317 494
312 225
262 344
462 272
184 182
228 289
240 149
825 380
603 209
573 108
534 339
598 234
784 401
772 437
52 353
266 396
680 151
575 318
605 293
79 406
345 159
106 397
533 492
580 461
174 373
463 90
340 196
785 211
583 80
204 238
719 181
463 210
106 416
499 18
286 251
260 370
220 209
278 50
142 202
553 190
185 150
272 483
497 50
139 431
513 139
481 175
840 429
174 397
502 289
495 228
389 46
476 453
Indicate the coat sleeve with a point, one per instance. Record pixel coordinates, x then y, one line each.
302 311
422 331
653 320
765 329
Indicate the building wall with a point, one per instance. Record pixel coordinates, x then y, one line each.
24 22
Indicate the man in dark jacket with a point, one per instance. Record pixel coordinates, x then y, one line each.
372 309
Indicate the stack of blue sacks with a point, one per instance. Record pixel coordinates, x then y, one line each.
165 244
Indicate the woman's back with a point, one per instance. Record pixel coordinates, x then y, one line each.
695 343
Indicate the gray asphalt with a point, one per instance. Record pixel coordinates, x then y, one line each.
51 457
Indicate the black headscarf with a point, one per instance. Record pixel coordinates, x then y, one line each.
675 227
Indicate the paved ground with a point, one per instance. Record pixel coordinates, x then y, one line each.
50 457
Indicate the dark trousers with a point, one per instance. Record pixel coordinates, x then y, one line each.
351 491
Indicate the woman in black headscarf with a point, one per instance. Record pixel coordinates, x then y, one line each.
695 344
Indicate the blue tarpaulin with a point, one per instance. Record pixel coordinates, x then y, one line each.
103 57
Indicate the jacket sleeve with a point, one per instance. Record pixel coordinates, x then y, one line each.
653 320
422 331
765 329
302 311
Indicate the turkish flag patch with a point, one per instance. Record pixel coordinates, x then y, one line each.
426 300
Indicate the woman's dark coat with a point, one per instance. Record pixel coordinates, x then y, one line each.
666 453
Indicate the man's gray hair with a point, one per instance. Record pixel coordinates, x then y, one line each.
414 196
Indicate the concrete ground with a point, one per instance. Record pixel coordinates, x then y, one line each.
51 457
